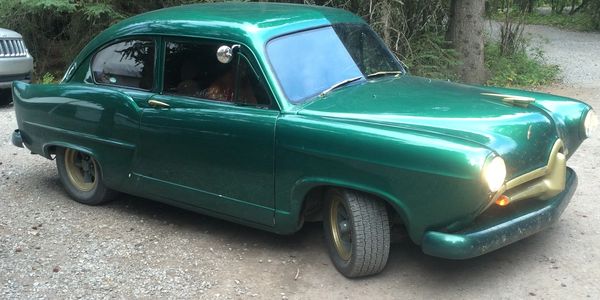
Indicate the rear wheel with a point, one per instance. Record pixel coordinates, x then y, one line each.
357 232
80 175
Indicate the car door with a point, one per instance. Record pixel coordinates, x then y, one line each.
207 141
123 73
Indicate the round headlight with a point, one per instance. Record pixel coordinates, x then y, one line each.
590 123
494 173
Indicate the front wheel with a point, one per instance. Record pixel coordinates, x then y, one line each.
80 175
357 231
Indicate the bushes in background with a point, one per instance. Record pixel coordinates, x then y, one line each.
56 30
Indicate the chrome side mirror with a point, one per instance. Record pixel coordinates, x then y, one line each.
225 53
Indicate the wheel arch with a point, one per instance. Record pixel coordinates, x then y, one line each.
309 191
50 148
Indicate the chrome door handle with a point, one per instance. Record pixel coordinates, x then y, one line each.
158 104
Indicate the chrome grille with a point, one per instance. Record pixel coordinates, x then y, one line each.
12 48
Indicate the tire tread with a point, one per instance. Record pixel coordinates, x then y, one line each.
101 194
371 230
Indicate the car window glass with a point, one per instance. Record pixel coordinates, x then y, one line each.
361 43
251 90
307 63
129 63
192 69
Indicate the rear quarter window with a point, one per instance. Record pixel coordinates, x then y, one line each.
128 63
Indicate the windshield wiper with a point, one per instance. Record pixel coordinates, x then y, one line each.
339 84
381 73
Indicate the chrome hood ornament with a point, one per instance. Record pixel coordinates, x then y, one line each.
512 99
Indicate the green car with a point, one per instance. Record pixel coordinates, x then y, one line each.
273 115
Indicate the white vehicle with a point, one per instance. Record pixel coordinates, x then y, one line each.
15 62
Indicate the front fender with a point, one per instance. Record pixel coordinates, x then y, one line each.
302 187
430 180
568 115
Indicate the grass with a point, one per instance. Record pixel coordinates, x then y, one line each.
577 22
520 69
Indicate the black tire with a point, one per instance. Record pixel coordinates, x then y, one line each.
5 97
87 186
369 232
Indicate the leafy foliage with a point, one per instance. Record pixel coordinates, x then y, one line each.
511 61
580 15
413 29
434 58
594 11
55 30
48 78
519 68
579 22
511 30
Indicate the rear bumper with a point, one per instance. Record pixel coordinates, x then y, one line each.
501 226
16 138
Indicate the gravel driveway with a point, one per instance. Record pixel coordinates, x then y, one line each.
52 247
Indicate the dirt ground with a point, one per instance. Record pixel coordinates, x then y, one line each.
52 247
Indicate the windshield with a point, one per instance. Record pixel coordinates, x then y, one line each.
309 62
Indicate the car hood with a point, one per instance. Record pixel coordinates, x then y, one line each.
523 136
5 33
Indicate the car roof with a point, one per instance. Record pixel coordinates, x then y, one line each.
252 16
252 24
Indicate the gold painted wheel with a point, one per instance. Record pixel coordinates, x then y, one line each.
81 170
340 229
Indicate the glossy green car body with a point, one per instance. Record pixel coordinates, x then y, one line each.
418 144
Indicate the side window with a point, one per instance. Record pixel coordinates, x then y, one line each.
251 90
129 63
192 69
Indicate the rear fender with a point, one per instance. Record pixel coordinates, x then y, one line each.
98 120
50 149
